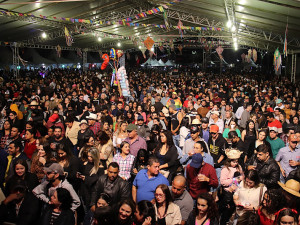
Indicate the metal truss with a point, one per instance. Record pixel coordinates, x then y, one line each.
16 60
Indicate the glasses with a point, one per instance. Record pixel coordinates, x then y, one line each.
294 142
128 131
213 133
159 195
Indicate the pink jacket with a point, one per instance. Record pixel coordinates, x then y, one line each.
227 175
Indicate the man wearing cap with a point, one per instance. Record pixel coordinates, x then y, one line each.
201 177
272 122
288 158
204 130
95 126
275 142
214 119
176 118
54 121
181 197
142 129
55 178
136 142
217 145
279 104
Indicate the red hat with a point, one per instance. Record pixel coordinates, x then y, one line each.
214 128
54 117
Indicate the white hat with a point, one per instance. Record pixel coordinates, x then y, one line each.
215 112
83 121
273 129
92 116
196 122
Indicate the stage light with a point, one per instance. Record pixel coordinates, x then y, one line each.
229 24
44 35
99 39
119 44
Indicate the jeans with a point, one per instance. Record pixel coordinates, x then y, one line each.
176 139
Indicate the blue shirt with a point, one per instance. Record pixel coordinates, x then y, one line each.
145 186
284 155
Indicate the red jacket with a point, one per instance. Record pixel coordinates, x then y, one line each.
195 186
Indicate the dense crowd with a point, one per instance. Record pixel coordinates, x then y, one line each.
195 148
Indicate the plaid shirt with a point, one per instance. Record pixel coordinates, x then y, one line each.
96 128
124 164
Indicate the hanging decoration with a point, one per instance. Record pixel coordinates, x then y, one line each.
220 50
79 52
58 51
166 20
249 55
105 57
149 43
124 84
180 25
112 54
254 55
277 60
69 39
285 52
24 62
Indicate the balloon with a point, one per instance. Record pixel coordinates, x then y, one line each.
105 58
113 53
119 53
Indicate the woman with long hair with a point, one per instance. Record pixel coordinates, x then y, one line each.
154 138
140 161
59 211
205 212
125 212
39 161
70 163
4 134
287 216
249 136
261 139
83 154
20 169
105 148
89 174
120 135
232 127
125 161
166 211
249 193
145 213
167 154
30 144
273 200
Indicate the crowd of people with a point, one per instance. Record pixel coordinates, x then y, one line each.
195 149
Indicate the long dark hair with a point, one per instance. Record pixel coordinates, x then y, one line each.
276 199
132 205
169 143
165 189
64 197
23 163
147 209
248 132
212 209
67 151
253 176
141 153
286 212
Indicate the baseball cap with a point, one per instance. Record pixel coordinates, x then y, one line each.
214 128
194 129
131 127
197 160
278 101
140 117
83 121
56 168
204 120
273 129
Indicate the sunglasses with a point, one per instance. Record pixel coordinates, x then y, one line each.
213 132
129 131
294 142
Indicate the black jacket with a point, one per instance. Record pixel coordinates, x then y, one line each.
268 172
118 191
65 217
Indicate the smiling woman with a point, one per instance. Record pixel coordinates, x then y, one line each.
126 212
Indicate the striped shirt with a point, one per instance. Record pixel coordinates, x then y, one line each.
124 164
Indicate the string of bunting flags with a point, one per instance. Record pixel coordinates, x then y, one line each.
73 20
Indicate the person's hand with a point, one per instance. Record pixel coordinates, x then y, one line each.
203 178
293 163
135 170
283 172
12 197
190 153
123 178
82 177
42 160
147 221
30 119
251 167
53 146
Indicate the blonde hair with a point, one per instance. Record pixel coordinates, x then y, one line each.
96 160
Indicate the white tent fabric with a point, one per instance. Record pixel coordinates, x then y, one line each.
161 63
169 63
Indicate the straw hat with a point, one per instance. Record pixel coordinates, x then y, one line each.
34 103
233 153
291 186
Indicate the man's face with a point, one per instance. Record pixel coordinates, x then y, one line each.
204 125
293 141
69 124
194 135
14 132
262 156
154 169
119 106
51 176
177 188
57 133
273 134
12 150
131 134
112 173
140 122
270 119
91 122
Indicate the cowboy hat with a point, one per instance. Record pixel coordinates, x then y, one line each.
291 186
34 103
92 116
233 153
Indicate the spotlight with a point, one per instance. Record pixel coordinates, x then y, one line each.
119 44
99 39
44 35
233 28
229 24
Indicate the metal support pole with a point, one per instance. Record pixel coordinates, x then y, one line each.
204 60
294 67
16 61
84 60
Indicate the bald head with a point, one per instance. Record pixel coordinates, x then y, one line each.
180 180
178 186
